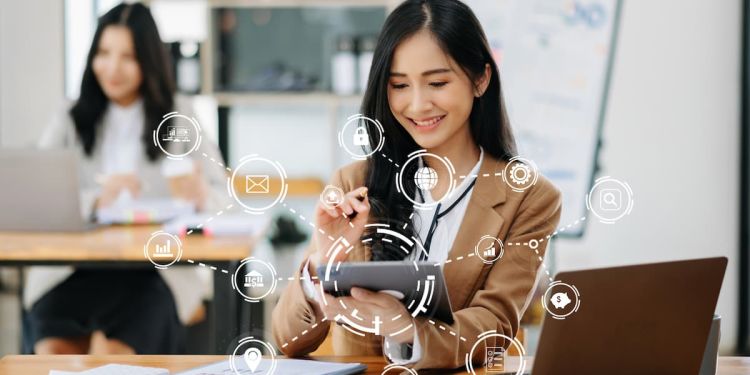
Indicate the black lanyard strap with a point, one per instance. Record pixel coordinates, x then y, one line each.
438 215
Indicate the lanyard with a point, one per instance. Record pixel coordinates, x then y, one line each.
438 215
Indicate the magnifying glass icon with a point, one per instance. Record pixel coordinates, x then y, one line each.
609 198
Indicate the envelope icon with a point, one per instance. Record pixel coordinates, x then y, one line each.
256 184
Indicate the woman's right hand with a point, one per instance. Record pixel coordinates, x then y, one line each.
335 222
112 186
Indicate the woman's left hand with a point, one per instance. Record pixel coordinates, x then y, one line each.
369 305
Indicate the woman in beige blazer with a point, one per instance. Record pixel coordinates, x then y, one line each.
435 86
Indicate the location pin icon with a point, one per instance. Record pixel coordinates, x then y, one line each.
252 358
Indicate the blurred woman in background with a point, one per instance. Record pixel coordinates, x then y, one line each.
126 89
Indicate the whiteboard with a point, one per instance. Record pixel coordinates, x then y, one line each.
555 58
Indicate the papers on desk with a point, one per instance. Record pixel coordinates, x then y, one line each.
127 210
224 225
115 369
283 367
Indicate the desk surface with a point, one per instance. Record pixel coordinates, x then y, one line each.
41 364
115 243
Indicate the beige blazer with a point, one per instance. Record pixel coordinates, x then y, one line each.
484 297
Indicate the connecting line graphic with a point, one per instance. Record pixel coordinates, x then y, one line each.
304 332
496 174
200 226
312 225
531 244
217 162
390 160
208 266
211 218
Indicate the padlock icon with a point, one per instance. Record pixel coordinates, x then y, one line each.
360 137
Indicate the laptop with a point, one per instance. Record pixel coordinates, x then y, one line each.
40 191
641 319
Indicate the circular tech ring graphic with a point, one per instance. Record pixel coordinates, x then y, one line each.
560 300
489 334
489 249
520 174
238 353
177 133
257 184
254 279
415 157
610 199
419 301
163 251
398 369
355 119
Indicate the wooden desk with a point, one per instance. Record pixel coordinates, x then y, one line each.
40 365
122 246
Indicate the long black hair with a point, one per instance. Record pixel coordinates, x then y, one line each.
460 35
157 88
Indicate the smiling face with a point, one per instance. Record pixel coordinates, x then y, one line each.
115 65
429 94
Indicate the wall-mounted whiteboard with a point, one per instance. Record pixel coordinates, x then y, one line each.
555 58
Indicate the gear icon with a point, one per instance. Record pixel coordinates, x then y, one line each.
520 173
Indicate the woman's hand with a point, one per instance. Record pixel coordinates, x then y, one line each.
370 305
335 222
190 187
112 185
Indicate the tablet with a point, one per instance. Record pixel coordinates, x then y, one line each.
419 285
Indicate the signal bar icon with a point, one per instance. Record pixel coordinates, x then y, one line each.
164 251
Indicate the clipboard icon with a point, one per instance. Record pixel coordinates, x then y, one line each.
256 184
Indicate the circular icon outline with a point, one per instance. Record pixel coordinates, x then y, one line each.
269 348
395 366
273 278
196 127
529 179
424 288
478 253
171 236
378 126
484 336
400 177
546 298
282 176
603 218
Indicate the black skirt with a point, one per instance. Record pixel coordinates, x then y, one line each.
133 306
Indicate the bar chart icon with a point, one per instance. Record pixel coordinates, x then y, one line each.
489 252
163 251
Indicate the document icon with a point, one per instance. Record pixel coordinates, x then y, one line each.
256 184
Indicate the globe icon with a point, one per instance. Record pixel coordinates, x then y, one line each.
426 178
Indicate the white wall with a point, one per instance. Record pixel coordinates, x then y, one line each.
672 132
31 68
